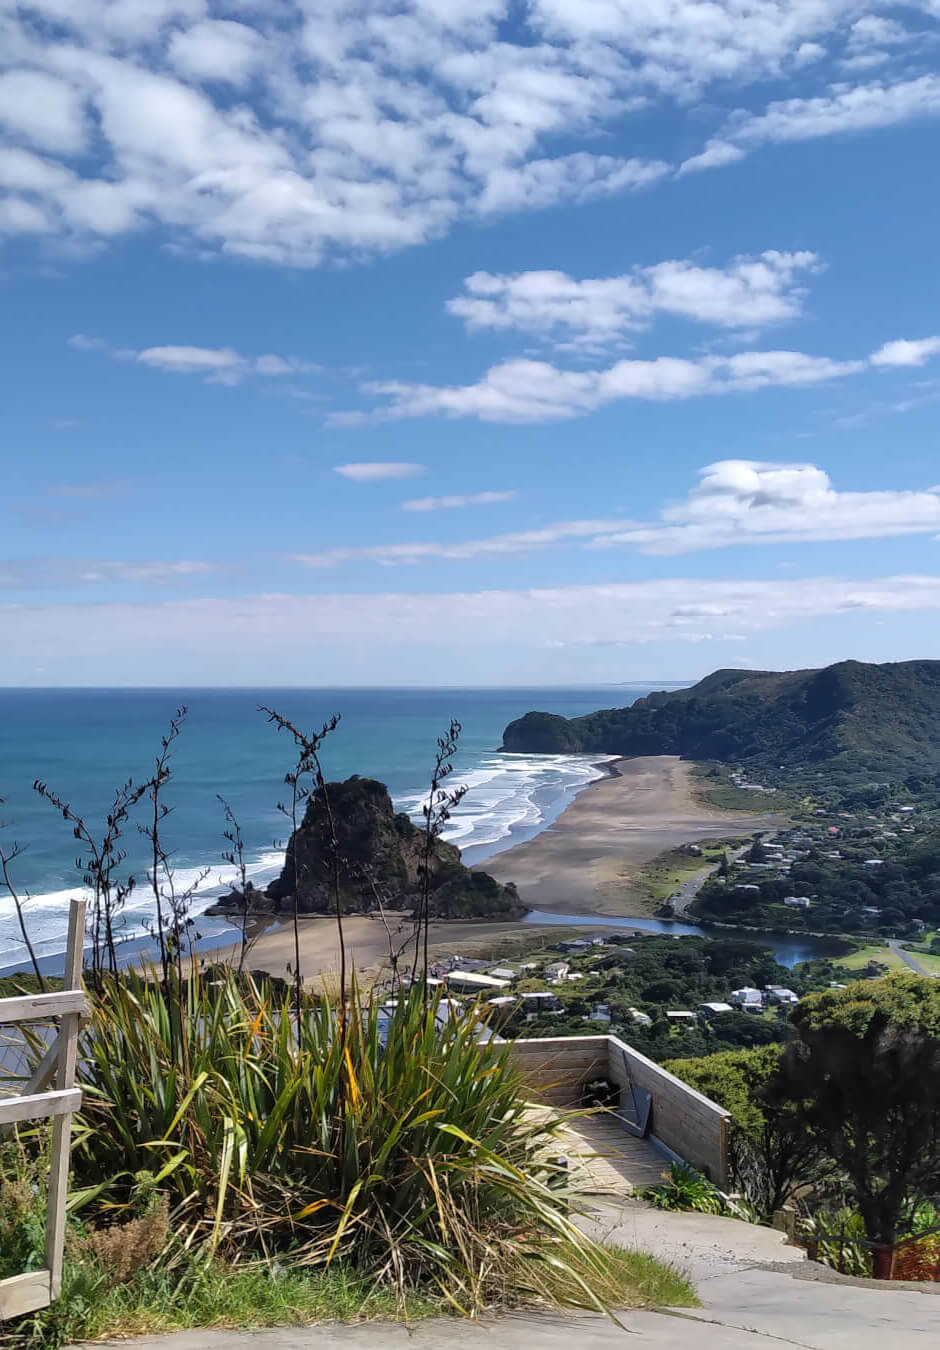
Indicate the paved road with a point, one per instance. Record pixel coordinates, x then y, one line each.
757 1294
689 889
908 958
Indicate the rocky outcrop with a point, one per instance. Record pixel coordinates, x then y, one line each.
380 857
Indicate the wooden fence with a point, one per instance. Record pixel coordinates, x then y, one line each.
50 1094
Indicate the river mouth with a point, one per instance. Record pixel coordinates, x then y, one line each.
789 949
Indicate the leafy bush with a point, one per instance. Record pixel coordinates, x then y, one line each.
771 1153
684 1188
844 1249
398 1144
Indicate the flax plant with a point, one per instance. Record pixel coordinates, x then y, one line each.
393 1139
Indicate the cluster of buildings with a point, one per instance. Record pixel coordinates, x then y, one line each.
746 1000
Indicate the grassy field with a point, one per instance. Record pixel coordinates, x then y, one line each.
859 959
662 877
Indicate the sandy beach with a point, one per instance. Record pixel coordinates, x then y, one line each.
587 861
583 864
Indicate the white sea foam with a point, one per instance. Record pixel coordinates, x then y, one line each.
505 793
47 914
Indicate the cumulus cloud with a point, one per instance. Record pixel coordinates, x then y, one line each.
290 132
749 292
455 502
906 352
537 391
378 471
461 633
217 365
735 502
740 501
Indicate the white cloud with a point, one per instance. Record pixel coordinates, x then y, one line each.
716 155
42 572
217 365
735 502
521 541
43 110
456 635
906 352
292 131
748 501
750 291
844 109
378 471
580 177
536 391
217 49
454 502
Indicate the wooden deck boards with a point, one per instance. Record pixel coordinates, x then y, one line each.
604 1158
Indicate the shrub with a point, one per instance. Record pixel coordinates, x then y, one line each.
398 1144
684 1188
771 1153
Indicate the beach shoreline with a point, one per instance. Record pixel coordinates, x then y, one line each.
583 864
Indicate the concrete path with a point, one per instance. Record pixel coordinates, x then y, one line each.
757 1294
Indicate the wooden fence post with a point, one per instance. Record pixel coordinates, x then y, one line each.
62 1125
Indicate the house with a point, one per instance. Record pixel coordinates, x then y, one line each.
797 901
707 1010
681 1018
471 982
749 889
918 924
545 1001
873 910
778 993
874 862
641 1019
503 973
557 971
575 975
747 999
601 1013
575 945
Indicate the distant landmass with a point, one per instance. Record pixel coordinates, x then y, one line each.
380 858
851 716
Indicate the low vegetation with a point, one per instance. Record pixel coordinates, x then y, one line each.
849 1107
236 1163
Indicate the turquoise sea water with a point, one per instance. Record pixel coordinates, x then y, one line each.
85 742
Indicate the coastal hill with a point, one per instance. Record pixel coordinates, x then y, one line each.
852 717
380 857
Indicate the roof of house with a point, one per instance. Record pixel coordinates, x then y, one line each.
475 980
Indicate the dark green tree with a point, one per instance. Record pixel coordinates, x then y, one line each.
771 1153
862 1076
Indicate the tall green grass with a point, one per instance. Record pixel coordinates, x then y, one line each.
398 1146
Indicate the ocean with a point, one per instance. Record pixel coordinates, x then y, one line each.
85 742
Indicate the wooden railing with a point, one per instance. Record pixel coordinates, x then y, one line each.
50 1094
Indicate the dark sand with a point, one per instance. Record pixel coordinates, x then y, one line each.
585 863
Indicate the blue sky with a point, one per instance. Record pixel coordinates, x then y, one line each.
466 341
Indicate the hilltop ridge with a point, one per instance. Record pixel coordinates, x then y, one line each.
852 716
